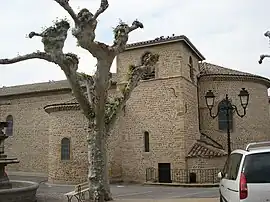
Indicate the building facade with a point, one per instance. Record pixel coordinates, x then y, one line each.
164 127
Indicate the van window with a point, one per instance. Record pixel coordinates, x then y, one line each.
257 168
233 166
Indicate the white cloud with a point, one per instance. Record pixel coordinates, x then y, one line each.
226 32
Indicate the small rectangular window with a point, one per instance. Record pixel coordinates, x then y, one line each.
146 142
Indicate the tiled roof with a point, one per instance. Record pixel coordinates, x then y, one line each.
38 87
208 68
164 40
33 88
200 149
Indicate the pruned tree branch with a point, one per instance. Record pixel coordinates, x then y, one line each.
267 34
54 37
121 35
70 65
148 62
85 26
35 55
103 7
89 82
262 58
67 7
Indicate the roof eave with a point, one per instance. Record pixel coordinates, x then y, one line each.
181 38
261 79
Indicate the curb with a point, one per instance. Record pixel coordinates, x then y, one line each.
182 185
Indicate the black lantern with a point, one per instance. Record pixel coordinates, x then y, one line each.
210 99
244 97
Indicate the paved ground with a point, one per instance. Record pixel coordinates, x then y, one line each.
124 192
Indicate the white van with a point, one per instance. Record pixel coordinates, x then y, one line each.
246 175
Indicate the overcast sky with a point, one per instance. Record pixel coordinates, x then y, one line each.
226 32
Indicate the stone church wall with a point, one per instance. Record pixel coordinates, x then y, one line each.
253 127
157 106
30 140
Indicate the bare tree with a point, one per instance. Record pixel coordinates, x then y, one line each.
100 110
267 34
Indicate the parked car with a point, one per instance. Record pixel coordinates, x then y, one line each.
246 175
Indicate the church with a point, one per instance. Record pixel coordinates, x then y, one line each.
165 126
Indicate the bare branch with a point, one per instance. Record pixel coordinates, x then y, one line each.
89 82
267 34
103 6
67 7
35 55
148 61
262 58
54 37
70 65
121 35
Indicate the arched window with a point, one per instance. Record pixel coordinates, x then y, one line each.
191 69
146 142
9 129
222 116
65 149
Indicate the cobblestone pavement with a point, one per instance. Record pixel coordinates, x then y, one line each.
126 192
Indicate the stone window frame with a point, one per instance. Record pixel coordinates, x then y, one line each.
65 149
222 119
9 129
191 69
146 137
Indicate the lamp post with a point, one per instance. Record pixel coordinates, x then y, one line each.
244 98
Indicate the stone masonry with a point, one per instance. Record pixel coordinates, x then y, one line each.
170 107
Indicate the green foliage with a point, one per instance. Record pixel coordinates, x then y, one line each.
119 29
131 69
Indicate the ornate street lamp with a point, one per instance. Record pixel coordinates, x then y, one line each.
210 100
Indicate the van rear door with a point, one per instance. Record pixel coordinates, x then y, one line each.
256 169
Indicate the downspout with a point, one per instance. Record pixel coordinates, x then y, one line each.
198 101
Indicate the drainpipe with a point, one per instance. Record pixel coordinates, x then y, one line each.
198 100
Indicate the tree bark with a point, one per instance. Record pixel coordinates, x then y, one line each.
96 155
98 170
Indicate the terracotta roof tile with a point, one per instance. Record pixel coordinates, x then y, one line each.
208 68
200 149
38 87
